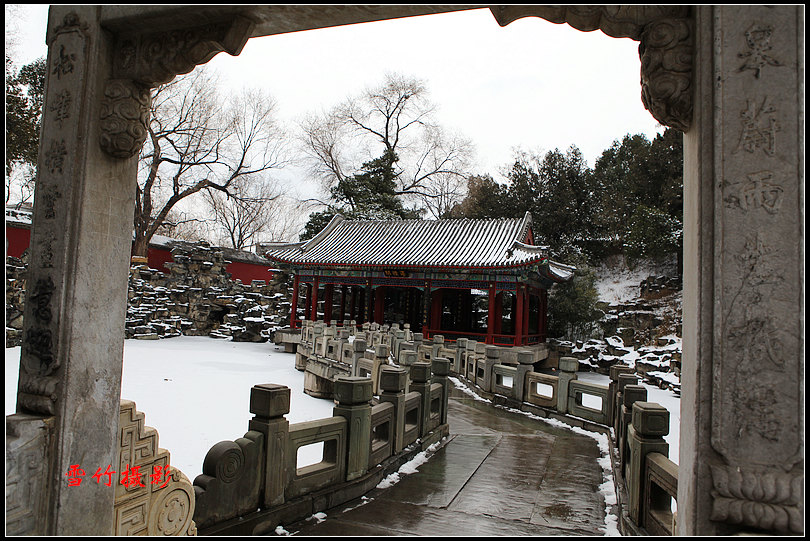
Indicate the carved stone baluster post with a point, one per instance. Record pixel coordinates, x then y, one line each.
630 395
392 389
440 367
270 403
420 382
614 400
491 358
359 346
644 435
568 372
438 342
458 358
525 365
380 359
353 396
407 360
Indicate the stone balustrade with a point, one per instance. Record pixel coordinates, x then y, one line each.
647 479
254 483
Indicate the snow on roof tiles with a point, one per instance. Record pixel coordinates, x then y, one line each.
492 243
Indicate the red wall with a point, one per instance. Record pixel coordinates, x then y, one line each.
157 257
18 239
248 272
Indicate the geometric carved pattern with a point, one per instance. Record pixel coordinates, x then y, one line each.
768 500
150 509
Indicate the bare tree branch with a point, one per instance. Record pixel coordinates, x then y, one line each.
199 142
395 117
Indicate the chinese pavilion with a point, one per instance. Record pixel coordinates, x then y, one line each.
479 279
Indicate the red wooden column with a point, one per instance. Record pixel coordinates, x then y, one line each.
294 307
327 302
499 313
520 323
543 324
379 304
526 305
342 303
491 314
436 311
308 303
314 301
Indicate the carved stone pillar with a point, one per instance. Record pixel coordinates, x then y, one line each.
741 462
70 366
94 122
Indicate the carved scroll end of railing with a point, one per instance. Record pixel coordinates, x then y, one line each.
230 484
764 499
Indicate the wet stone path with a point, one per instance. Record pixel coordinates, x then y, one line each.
501 473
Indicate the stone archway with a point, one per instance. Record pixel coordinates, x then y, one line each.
730 77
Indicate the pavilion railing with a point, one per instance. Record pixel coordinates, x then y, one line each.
646 479
498 339
251 485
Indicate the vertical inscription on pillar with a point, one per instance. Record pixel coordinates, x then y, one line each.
67 61
757 370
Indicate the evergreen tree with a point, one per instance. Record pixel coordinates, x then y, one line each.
485 199
640 201
24 94
557 190
371 194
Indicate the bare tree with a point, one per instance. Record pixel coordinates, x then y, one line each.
243 215
198 141
393 119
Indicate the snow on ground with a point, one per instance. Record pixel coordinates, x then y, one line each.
620 285
617 283
666 398
196 391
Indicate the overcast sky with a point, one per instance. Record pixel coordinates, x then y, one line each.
531 84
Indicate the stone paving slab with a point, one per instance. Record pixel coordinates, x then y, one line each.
501 473
447 471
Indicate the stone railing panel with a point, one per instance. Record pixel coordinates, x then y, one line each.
434 416
381 445
503 379
542 389
577 402
661 487
413 418
331 469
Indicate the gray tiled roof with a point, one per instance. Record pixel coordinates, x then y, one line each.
496 243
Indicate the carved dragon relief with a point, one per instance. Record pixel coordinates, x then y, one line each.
666 49
144 60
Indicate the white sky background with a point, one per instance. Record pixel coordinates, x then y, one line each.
532 84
